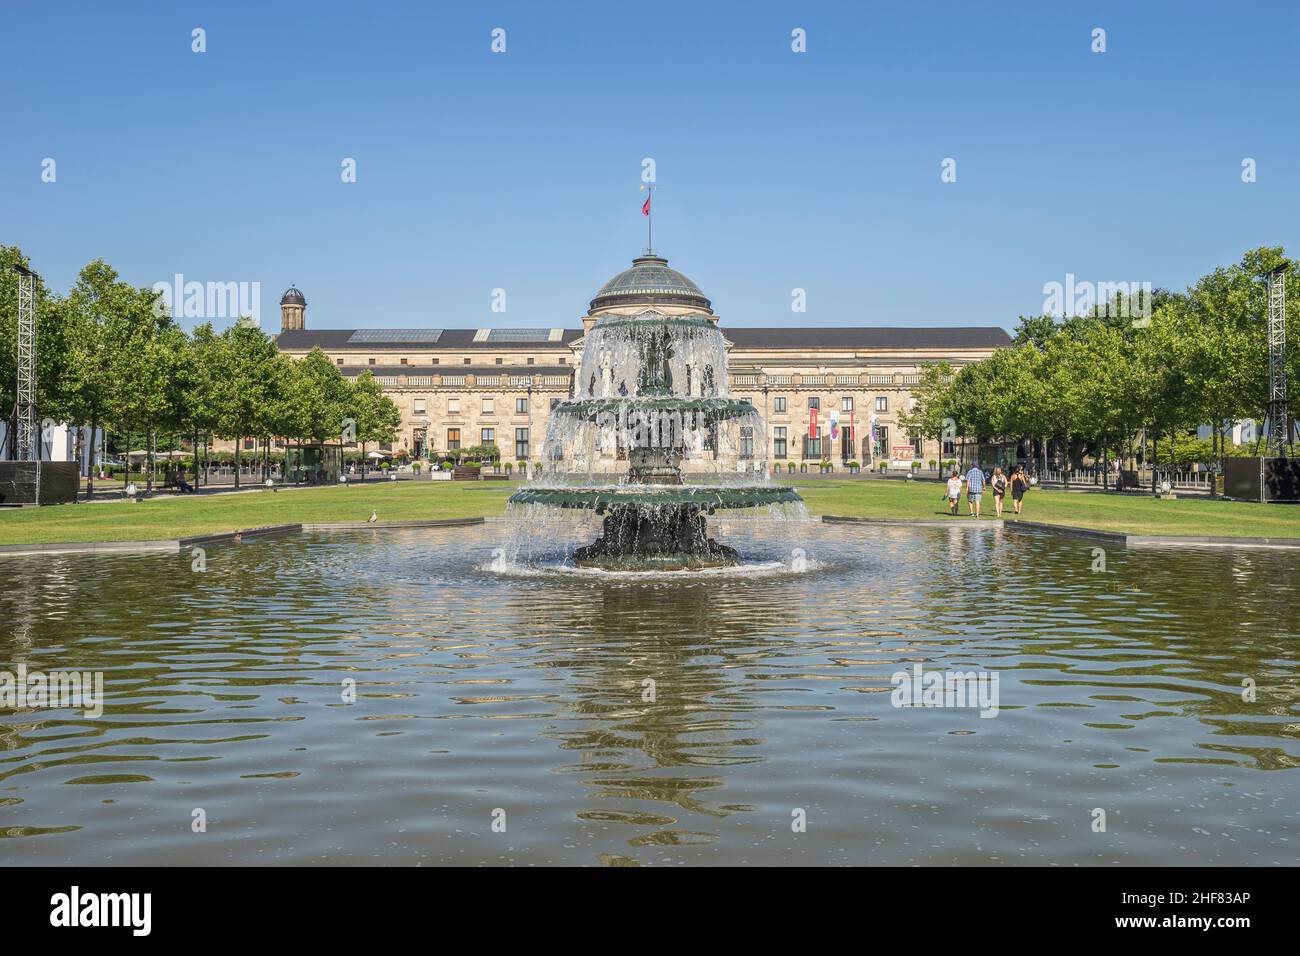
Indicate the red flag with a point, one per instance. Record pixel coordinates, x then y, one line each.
812 423
645 207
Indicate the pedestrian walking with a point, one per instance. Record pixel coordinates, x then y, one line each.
998 484
974 489
954 492
1019 485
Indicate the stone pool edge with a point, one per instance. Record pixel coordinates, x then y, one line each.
173 545
1117 538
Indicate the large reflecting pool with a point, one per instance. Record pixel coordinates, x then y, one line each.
743 717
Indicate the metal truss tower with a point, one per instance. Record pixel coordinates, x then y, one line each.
1279 415
25 410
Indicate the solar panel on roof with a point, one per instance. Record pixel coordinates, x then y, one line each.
519 335
395 335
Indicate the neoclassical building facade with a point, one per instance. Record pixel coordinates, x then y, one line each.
458 388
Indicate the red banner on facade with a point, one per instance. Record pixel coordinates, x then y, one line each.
812 423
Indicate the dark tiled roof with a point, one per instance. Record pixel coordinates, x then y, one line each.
790 338
450 339
867 338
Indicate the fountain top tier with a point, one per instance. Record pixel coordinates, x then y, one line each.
652 354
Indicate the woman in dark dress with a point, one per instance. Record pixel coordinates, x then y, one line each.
1019 485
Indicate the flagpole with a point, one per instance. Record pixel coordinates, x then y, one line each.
648 209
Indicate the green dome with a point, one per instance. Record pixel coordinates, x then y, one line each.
650 282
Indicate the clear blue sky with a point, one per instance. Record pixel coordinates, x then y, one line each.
776 170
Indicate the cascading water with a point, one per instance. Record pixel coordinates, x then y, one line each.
652 441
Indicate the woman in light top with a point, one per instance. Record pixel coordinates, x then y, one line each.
998 484
954 492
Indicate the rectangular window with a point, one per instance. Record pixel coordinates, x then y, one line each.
521 444
250 444
453 439
372 362
778 442
521 406
500 361
554 402
435 361
814 402
531 360
882 441
562 362
338 361
746 441
453 406
779 406
812 447
747 399
404 362
846 403
489 406
419 406
882 403
465 361
488 436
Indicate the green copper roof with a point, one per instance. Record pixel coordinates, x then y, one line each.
650 282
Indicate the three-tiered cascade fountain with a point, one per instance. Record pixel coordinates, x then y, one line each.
652 440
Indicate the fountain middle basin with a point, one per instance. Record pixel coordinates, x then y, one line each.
656 527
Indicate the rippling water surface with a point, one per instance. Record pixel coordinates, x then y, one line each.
525 695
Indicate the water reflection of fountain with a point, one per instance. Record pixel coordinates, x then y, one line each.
661 704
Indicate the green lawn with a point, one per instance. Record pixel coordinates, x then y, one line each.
176 517
1134 514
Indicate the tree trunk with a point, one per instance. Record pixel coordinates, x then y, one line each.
78 447
94 430
1215 440
1155 457
239 446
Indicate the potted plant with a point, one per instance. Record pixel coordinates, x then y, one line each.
791 468
853 467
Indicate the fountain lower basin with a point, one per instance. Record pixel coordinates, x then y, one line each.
655 527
